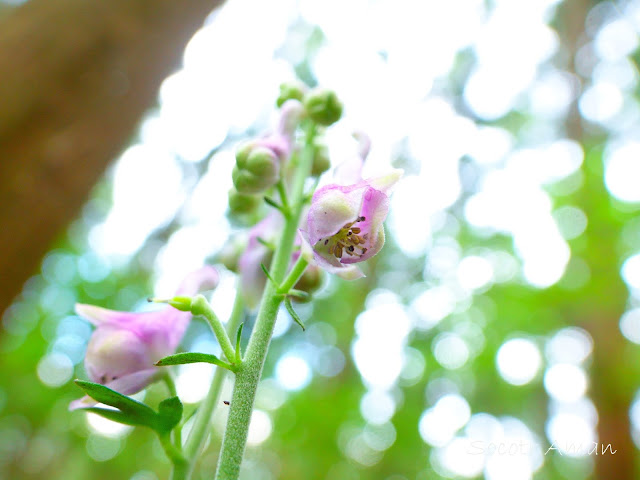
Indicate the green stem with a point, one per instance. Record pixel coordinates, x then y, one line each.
248 376
201 424
180 465
282 190
200 306
294 275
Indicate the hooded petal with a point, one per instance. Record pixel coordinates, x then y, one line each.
115 352
375 206
385 183
331 208
100 316
350 171
205 278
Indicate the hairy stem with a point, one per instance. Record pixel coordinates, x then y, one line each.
200 306
248 376
294 275
202 422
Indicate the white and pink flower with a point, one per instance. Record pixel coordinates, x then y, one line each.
125 346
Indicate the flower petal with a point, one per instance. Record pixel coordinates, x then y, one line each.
205 278
375 207
331 208
114 352
385 183
100 316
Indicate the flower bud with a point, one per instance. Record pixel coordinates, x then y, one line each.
242 203
321 162
323 106
290 91
181 303
242 153
256 170
311 280
231 252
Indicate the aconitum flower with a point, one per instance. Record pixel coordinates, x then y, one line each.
344 224
124 346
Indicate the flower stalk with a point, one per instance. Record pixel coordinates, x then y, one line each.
202 423
250 371
200 306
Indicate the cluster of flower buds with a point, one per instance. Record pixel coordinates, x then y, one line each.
260 163
257 169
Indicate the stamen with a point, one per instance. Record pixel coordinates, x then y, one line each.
347 240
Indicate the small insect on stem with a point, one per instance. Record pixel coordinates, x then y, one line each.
226 402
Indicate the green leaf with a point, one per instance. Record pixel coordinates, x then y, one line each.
193 357
120 417
169 414
132 412
238 347
273 203
266 272
292 312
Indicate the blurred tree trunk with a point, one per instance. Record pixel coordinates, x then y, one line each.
75 78
599 307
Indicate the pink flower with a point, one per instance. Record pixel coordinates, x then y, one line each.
124 346
344 224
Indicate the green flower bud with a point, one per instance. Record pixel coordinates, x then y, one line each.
257 168
263 162
181 303
243 153
243 181
310 281
290 90
323 106
242 203
321 162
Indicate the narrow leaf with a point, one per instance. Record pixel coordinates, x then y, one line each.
192 357
269 245
292 312
169 414
266 272
273 203
238 351
133 410
120 417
